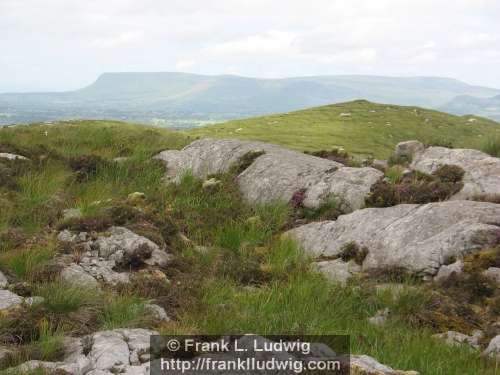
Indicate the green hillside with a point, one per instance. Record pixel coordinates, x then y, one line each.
360 127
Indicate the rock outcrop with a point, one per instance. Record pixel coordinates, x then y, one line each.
418 238
102 353
4 155
117 248
482 171
272 173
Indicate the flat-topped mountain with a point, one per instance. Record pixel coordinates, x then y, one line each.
170 97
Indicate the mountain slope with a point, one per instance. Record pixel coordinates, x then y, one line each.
464 104
148 96
360 127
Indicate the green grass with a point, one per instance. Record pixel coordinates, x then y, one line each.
371 129
492 147
124 311
63 298
249 279
23 263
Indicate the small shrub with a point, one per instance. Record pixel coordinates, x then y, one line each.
398 160
394 174
418 188
87 166
351 251
329 210
297 199
449 173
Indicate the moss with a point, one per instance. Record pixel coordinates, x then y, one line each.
244 162
482 260
449 173
351 251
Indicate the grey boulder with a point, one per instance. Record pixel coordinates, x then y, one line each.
9 300
482 171
5 155
418 238
275 174
123 351
3 280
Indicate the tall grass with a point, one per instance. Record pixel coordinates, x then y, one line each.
24 263
492 147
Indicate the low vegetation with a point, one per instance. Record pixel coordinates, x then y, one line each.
360 128
232 271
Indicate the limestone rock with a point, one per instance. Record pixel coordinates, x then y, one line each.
454 338
408 149
116 248
493 349
365 365
418 238
493 273
380 318
33 301
275 174
3 280
75 274
482 171
448 270
5 155
157 312
337 270
123 351
211 183
72 213
9 300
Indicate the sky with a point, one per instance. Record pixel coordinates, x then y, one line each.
55 45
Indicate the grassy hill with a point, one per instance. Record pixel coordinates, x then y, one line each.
248 279
360 127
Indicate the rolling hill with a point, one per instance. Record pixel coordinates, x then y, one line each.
360 127
186 100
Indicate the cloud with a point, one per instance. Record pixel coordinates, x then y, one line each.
119 40
270 42
73 41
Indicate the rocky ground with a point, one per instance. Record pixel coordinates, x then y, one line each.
103 246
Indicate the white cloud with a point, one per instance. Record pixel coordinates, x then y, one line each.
73 41
271 42
185 64
119 40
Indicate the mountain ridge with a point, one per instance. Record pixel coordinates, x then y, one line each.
163 96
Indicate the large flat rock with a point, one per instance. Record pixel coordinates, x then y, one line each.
418 238
276 175
482 171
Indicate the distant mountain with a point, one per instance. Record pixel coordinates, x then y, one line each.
465 104
189 98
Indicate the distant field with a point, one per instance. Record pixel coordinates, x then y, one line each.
360 127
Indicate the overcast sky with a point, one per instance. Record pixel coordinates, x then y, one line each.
66 44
